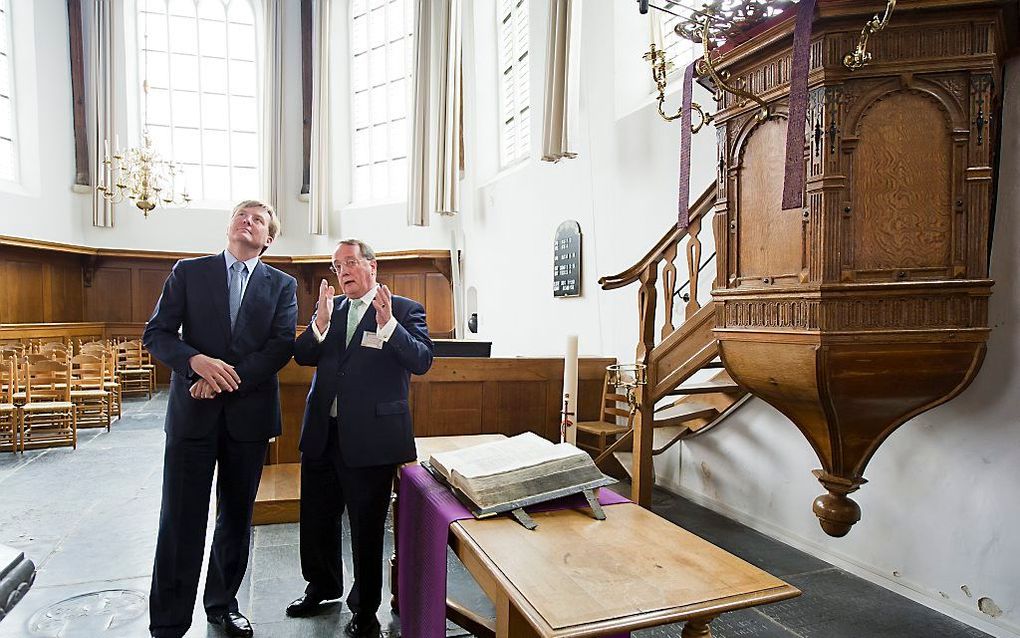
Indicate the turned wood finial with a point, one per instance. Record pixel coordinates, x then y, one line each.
836 513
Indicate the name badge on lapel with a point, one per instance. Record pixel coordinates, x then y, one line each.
371 340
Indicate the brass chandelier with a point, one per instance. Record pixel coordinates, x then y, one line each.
140 174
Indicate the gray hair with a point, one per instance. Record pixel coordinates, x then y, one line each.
366 250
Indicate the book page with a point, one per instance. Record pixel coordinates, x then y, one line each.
524 450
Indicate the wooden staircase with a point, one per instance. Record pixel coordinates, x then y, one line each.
672 406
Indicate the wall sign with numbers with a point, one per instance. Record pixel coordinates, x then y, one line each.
567 260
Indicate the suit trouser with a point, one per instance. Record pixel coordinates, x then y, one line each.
187 479
328 487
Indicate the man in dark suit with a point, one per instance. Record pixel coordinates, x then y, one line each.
224 325
356 431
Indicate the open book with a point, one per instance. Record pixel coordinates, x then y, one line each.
517 471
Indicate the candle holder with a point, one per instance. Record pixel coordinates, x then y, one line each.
628 376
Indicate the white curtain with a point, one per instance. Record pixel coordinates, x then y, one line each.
101 57
562 79
272 104
435 161
320 164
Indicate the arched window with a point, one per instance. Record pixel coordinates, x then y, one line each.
512 37
8 156
201 61
382 57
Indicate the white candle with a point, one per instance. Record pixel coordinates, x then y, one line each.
570 390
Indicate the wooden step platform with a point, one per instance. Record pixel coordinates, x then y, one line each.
705 388
682 413
279 497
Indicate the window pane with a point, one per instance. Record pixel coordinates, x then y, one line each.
380 181
377 66
395 61
379 143
245 184
378 104
376 28
244 149
398 179
242 41
185 35
184 71
362 183
211 9
161 141
153 36
184 108
359 34
360 109
190 181
6 125
187 145
362 146
395 20
359 72
157 106
216 182
7 159
5 76
242 114
158 6
157 73
242 78
214 112
214 75
240 11
182 7
213 38
398 138
397 99
215 148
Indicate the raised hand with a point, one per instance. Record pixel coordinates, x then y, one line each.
220 375
383 303
324 307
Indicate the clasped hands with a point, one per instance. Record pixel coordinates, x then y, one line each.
383 304
216 376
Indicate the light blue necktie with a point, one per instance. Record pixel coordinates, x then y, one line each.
238 272
353 319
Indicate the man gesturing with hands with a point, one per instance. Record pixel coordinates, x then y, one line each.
357 429
224 325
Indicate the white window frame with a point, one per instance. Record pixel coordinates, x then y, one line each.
6 58
394 186
201 199
514 80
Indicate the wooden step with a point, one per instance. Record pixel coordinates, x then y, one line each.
600 427
704 388
682 413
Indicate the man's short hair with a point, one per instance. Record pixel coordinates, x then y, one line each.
366 250
274 219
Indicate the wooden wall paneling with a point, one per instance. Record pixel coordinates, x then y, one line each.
66 293
109 298
523 406
149 288
438 304
412 286
453 408
25 291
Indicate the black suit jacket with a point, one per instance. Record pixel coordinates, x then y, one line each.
371 385
192 317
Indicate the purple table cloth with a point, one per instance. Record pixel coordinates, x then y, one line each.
424 513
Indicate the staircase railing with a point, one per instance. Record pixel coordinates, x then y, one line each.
659 377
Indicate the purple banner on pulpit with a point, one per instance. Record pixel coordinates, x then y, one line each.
424 512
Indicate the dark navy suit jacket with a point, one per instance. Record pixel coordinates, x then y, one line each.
370 385
194 302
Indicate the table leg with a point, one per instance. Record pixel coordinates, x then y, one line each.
697 628
510 622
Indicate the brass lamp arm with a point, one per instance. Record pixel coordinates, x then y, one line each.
859 57
706 67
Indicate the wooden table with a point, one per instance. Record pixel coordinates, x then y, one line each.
576 576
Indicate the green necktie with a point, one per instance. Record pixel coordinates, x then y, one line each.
353 319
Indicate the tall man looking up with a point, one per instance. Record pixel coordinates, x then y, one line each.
356 431
224 325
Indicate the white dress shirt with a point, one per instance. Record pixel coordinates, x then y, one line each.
384 333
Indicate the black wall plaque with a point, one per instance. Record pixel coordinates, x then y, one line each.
567 260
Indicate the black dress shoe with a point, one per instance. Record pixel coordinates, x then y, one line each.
233 623
363 626
309 605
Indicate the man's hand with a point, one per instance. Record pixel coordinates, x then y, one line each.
383 303
220 375
324 307
202 390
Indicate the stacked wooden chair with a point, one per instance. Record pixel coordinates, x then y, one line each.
111 384
88 392
10 416
48 416
136 374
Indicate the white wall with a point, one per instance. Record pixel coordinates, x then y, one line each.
41 76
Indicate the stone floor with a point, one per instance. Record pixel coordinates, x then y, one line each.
88 517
